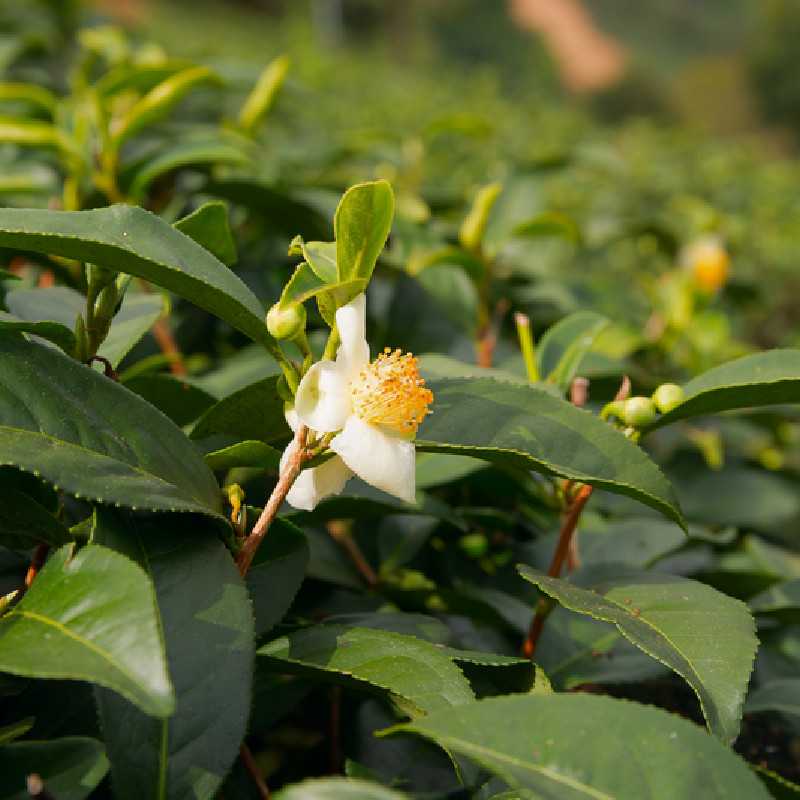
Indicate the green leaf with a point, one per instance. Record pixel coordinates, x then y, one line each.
8 733
782 600
563 347
338 789
305 284
28 133
181 401
29 93
24 523
134 241
139 177
549 223
208 225
415 673
71 768
781 695
54 332
321 257
88 435
205 614
526 426
159 101
753 381
277 572
62 305
705 636
262 98
361 225
255 412
434 469
245 454
571 746
91 615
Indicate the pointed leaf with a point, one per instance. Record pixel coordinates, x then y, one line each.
414 672
54 332
208 630
361 225
24 523
571 746
208 225
705 636
563 347
91 615
134 241
338 789
91 437
526 426
262 98
753 381
70 768
245 454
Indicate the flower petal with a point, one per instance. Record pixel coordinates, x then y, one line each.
317 483
323 397
351 321
384 461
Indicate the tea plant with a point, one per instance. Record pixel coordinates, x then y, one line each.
248 539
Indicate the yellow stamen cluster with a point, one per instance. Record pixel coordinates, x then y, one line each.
390 392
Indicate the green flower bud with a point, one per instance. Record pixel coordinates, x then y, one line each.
667 397
286 322
474 545
474 225
638 412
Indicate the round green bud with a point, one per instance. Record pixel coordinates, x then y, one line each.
667 397
286 322
474 545
638 412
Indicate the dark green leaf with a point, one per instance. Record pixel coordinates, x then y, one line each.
208 629
778 695
132 240
182 402
54 332
255 412
91 615
705 636
762 379
24 523
208 225
527 427
71 768
245 454
277 573
571 746
91 437
417 675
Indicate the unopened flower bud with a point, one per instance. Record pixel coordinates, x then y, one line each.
638 412
286 322
474 545
667 397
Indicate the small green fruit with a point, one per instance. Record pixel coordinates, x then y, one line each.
667 397
638 412
474 545
286 322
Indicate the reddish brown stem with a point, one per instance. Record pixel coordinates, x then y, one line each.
252 767
295 464
162 332
37 562
487 338
556 564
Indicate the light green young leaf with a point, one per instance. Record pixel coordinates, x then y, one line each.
134 241
118 449
752 381
705 636
91 615
31 93
571 746
262 98
338 789
361 225
527 427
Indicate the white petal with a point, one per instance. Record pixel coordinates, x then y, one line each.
323 397
317 483
351 321
385 461
292 419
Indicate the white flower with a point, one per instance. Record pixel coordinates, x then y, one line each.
374 408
